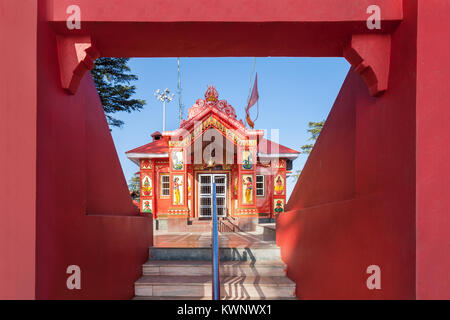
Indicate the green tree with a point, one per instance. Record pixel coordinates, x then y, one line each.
113 79
134 185
314 128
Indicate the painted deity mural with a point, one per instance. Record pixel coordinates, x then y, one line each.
177 160
189 186
177 190
247 161
279 185
247 189
146 186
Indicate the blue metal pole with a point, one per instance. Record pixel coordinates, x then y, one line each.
215 245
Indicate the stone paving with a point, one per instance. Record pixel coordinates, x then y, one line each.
163 239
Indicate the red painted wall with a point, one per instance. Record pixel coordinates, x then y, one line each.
107 190
384 200
331 178
17 148
433 153
85 215
360 209
254 28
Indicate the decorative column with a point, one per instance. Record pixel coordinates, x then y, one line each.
247 211
146 187
190 189
279 186
235 182
178 208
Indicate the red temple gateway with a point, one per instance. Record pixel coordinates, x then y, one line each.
178 168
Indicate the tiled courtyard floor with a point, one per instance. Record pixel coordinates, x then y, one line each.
203 240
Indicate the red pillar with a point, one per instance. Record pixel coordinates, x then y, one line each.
433 153
18 148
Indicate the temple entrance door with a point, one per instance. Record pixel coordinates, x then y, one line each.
205 194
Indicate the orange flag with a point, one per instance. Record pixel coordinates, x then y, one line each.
251 102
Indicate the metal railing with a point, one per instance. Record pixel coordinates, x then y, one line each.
228 224
215 249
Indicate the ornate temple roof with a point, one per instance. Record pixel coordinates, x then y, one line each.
211 100
203 108
155 147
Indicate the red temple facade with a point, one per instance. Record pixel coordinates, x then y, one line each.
178 169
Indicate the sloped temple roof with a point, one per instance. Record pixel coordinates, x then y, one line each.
210 112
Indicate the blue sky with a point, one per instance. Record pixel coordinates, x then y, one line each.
292 91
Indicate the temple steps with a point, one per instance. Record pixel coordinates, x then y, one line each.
263 253
203 268
234 287
255 273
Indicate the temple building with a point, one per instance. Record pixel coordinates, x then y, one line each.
178 168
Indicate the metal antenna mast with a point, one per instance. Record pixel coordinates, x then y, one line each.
180 104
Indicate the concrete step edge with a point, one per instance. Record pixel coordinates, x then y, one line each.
178 281
201 263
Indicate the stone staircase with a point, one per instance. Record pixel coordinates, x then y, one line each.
186 273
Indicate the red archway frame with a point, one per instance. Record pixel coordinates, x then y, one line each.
364 197
320 28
